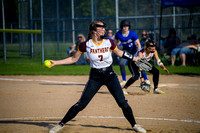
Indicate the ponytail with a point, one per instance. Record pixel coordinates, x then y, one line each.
89 35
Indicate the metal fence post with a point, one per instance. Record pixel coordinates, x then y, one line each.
42 28
4 34
92 10
136 5
174 17
35 29
155 21
58 25
11 37
31 26
73 30
116 15
63 31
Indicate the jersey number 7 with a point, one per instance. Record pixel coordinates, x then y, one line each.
101 57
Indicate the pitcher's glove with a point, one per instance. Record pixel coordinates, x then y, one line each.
145 87
144 64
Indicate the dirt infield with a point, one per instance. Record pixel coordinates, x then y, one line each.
32 104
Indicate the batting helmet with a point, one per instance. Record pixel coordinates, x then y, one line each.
125 22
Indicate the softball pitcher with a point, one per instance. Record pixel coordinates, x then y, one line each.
102 73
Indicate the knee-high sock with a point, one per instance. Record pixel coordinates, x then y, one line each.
124 76
144 76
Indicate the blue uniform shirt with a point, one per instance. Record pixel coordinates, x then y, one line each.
109 37
128 42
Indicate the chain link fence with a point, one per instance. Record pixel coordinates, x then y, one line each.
65 19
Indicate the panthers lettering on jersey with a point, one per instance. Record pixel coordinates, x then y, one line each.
99 54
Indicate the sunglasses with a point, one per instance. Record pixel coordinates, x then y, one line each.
144 34
79 36
152 45
98 25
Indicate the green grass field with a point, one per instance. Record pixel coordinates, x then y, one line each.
17 64
29 66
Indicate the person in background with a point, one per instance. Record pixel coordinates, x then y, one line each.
142 42
130 43
74 48
144 38
101 73
171 41
71 50
110 35
188 47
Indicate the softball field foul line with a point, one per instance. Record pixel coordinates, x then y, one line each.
77 83
99 117
47 81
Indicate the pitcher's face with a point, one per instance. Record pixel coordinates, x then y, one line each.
100 29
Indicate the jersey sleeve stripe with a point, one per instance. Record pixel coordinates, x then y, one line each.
114 49
79 50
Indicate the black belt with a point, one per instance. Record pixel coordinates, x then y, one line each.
103 69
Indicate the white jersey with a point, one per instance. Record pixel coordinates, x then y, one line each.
145 56
99 54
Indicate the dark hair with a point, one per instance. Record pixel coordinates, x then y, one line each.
125 22
193 36
172 31
148 42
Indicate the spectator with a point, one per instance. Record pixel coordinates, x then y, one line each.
110 35
72 50
144 38
142 42
183 49
171 41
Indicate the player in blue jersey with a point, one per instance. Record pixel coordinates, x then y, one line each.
130 43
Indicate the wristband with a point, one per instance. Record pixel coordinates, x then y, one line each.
127 55
159 62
